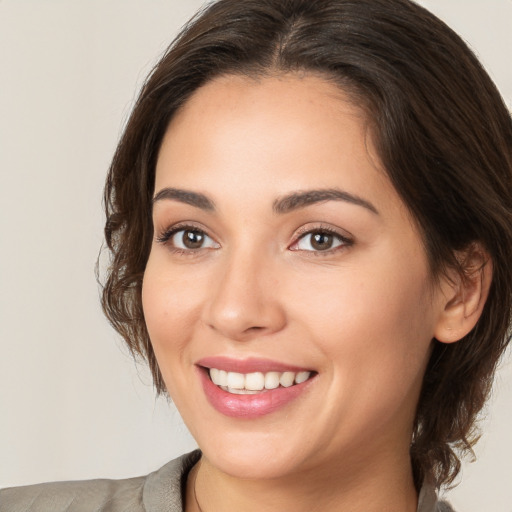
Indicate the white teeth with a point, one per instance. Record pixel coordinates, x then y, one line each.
214 375
287 379
222 378
255 381
236 380
272 380
239 391
251 383
302 377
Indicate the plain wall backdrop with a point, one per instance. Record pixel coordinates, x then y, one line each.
73 404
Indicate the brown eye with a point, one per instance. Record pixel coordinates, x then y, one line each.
320 241
187 239
192 239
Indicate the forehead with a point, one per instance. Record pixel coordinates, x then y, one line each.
295 92
270 136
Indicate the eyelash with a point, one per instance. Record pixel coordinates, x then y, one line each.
303 232
346 242
167 235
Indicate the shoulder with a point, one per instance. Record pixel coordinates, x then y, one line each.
157 492
94 495
429 502
444 506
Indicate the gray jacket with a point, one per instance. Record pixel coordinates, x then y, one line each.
161 491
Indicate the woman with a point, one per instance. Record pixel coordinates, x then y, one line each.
310 219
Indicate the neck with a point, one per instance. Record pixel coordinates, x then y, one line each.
380 485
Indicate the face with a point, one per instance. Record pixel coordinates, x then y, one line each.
286 268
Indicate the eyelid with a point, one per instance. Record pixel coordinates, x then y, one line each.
343 236
166 234
346 238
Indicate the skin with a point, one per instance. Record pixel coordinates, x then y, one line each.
361 314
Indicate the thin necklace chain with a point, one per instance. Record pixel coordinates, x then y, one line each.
194 488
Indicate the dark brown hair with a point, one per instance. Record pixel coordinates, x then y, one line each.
443 135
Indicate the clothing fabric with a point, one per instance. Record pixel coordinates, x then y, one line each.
161 491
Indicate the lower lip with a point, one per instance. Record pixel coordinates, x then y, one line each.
250 406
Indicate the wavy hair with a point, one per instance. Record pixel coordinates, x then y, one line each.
442 132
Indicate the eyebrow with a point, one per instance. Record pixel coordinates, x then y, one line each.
299 199
285 204
185 196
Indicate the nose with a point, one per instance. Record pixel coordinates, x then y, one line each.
244 303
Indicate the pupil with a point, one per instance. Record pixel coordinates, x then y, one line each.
322 241
193 239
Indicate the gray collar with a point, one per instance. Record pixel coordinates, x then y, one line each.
164 489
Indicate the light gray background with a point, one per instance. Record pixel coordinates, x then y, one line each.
72 403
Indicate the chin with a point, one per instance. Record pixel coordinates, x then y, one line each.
252 464
252 455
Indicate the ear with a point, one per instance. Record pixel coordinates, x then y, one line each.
464 294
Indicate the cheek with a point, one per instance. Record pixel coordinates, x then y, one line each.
171 306
374 324
377 341
395 295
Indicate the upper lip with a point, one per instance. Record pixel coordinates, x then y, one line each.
248 365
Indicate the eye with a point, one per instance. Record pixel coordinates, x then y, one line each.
187 239
320 240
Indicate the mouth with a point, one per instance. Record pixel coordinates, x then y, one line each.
255 382
252 388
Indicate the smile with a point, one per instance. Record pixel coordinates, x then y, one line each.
252 388
256 382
